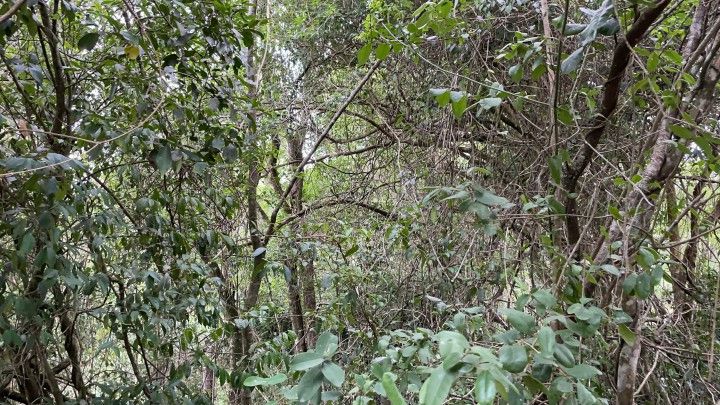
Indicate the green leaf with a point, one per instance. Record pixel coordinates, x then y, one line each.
485 389
513 358
629 283
555 164
326 344
132 52
516 73
36 73
11 338
459 103
25 307
351 251
487 198
563 355
545 297
518 319
437 387
309 385
564 116
451 342
572 62
681 131
46 221
583 371
304 361
645 258
364 54
333 373
546 340
653 61
644 287
88 41
626 334
391 390
609 268
585 397
26 245
489 102
163 159
254 380
382 51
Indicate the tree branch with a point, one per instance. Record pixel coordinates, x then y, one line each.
13 9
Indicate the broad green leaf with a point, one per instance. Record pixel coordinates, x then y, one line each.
626 334
564 116
329 396
254 380
26 245
451 342
333 373
25 307
163 159
545 297
88 41
310 384
364 54
681 131
555 163
584 396
46 221
489 102
629 283
459 103
645 258
326 344
518 319
583 371
609 268
516 73
485 389
546 340
382 51
304 361
437 387
391 391
564 356
572 62
513 358
644 287
488 198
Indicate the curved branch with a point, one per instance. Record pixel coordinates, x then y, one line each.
13 9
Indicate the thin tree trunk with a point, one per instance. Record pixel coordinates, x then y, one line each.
243 339
291 264
663 162
295 304
309 300
611 92
676 270
305 261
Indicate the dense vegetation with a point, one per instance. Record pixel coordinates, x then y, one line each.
366 202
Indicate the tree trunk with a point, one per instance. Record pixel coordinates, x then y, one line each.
663 162
295 304
305 260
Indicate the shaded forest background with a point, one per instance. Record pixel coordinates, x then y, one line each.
366 202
